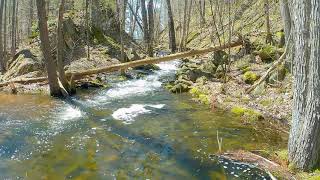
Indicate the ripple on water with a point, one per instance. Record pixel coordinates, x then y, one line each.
127 115
64 117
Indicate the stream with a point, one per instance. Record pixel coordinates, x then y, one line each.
133 130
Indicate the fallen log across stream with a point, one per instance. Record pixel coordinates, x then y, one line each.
123 66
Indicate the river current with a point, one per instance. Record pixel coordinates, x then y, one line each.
133 130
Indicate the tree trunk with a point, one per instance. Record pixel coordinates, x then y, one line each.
61 48
151 28
268 28
184 25
172 34
145 22
31 16
13 28
1 45
5 33
286 18
304 141
202 10
87 30
46 50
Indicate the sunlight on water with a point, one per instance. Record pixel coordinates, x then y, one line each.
127 115
70 113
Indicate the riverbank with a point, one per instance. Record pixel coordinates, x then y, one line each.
271 100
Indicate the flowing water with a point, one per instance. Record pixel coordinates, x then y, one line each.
133 130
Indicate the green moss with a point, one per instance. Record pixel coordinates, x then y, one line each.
239 111
200 95
245 69
204 99
249 115
252 115
283 154
168 86
268 52
279 34
195 92
250 77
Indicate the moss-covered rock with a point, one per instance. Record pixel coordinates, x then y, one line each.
268 53
218 58
24 62
180 88
250 77
200 95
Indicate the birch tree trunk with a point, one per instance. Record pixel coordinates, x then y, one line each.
304 141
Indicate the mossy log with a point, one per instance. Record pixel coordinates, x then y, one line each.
124 66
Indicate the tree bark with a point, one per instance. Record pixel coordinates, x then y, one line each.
87 30
31 16
61 48
172 34
268 27
304 141
184 25
13 28
151 27
46 50
144 22
2 66
286 18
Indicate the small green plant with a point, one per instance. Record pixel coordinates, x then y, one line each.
250 77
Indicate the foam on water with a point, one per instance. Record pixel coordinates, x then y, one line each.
64 116
134 87
127 115
70 113
137 87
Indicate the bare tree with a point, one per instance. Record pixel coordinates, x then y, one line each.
61 48
268 27
55 89
2 66
150 27
13 27
172 34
